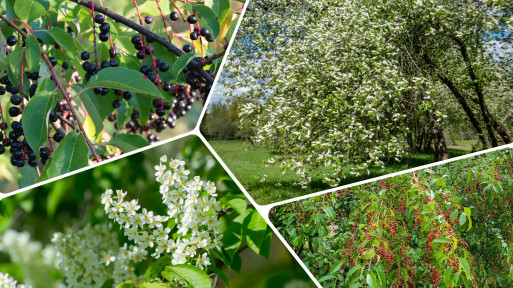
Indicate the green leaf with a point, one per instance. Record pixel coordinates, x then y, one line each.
69 11
33 54
238 205
63 39
463 219
368 254
29 10
352 270
142 103
123 113
156 267
468 213
220 7
336 267
14 67
329 211
232 237
210 18
466 267
181 62
92 107
194 276
371 280
127 284
3 46
442 240
256 232
153 285
123 79
27 176
71 154
128 142
36 113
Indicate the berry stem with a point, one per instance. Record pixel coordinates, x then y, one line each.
163 21
177 9
143 31
58 83
22 106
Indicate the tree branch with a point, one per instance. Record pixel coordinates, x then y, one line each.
193 65
59 86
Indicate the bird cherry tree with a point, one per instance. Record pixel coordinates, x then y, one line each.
68 68
345 86
449 226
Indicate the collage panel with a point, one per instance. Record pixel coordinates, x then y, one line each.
448 225
166 217
326 93
82 82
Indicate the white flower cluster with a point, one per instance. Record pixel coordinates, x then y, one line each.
191 205
91 256
7 281
35 262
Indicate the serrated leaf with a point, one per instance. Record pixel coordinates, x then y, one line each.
36 113
33 53
181 62
371 280
156 267
28 10
93 109
255 232
238 205
63 39
368 254
68 11
194 276
71 154
220 7
232 237
123 79
27 176
14 67
142 103
329 211
128 142
466 267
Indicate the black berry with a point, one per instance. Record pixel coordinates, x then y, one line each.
187 48
99 19
116 103
148 19
105 27
191 19
58 136
12 40
174 16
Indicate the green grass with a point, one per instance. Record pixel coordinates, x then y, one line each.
248 167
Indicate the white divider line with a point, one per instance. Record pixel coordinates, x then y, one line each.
263 210
151 146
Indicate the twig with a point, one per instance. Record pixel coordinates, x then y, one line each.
149 34
58 83
214 57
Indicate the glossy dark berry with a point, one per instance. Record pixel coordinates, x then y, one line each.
105 64
44 152
160 112
12 40
90 67
16 100
14 111
2 149
140 55
166 105
85 55
151 77
139 46
174 16
97 90
2 90
210 38
181 89
167 86
187 48
127 95
104 37
20 163
148 19
204 32
105 27
105 91
53 60
163 66
99 19
14 90
194 35
191 19
58 136
113 53
32 162
116 103
145 69
111 117
65 65
136 39
16 126
114 63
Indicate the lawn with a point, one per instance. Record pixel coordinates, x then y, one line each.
247 164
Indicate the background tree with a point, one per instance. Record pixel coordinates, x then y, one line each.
348 84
